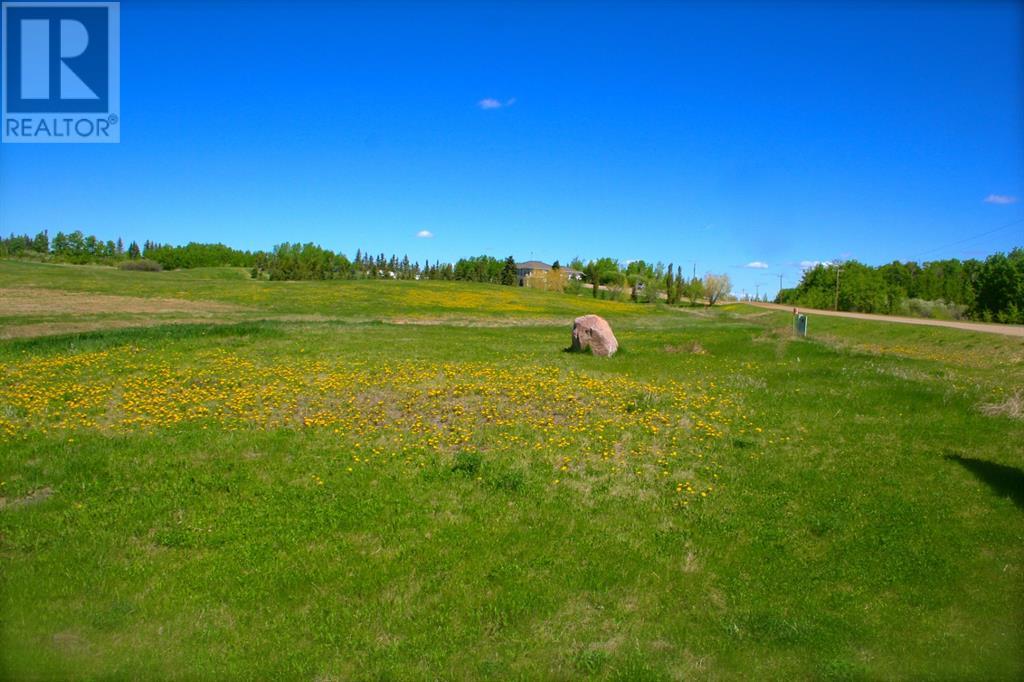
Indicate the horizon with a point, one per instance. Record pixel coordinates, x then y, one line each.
351 254
752 139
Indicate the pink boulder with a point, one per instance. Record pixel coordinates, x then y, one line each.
593 332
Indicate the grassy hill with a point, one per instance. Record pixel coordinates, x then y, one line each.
371 299
205 476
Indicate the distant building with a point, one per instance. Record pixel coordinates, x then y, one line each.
524 270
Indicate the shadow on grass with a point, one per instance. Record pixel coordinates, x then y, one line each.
590 351
1005 481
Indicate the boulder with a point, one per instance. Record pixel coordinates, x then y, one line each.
593 332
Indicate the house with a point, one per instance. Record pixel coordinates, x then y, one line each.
524 270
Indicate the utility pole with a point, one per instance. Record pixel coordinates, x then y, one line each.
757 292
780 282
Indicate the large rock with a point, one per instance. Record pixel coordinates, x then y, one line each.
593 332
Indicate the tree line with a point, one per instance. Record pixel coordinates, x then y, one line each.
991 290
988 290
285 261
310 261
647 282
77 247
607 277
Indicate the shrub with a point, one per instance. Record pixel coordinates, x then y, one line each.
650 293
547 280
936 310
142 265
613 292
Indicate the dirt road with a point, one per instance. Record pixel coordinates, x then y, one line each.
1004 329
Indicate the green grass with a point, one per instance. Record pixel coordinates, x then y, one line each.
355 299
863 517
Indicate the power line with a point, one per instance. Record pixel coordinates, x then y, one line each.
970 239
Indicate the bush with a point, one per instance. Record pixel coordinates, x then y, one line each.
650 293
142 265
612 292
547 280
935 310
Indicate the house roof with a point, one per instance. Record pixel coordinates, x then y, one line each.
533 265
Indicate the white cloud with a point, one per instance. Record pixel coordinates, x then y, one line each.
808 264
491 103
425 234
1000 199
757 265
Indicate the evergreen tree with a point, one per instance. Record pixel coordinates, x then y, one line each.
508 272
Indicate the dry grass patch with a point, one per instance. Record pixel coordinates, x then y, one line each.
691 347
38 301
33 497
1012 406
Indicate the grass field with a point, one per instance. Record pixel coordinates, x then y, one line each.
389 480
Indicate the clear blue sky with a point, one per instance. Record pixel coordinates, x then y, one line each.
721 134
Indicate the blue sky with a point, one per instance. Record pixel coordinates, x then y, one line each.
720 134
